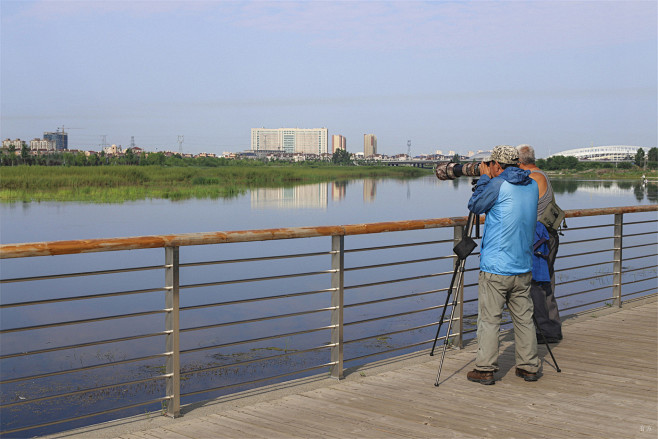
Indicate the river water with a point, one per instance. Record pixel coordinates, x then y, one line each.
348 202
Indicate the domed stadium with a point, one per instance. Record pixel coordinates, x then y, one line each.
614 153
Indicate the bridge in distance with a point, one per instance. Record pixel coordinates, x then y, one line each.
415 163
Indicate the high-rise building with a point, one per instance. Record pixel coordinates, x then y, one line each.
290 140
369 145
60 139
338 142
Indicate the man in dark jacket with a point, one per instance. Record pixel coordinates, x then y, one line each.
508 197
547 241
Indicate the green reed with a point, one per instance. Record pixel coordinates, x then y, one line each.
125 183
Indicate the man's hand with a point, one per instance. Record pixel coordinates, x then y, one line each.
485 169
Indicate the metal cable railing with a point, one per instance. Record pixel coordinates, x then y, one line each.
241 320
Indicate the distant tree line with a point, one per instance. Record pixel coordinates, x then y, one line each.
340 157
65 158
557 163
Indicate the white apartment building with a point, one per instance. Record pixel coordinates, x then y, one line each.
369 145
112 150
17 143
290 140
42 145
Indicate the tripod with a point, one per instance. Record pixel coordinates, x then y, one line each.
463 249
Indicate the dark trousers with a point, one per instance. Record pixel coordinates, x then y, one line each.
546 312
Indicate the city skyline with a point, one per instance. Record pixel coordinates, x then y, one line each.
446 75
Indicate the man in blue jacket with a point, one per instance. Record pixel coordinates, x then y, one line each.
508 197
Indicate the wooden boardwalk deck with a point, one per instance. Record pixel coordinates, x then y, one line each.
608 388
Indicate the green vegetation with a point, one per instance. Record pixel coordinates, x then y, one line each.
628 169
594 170
341 157
106 184
67 176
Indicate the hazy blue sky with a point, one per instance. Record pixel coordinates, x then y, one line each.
446 75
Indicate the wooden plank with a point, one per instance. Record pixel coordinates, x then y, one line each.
343 422
356 399
243 429
370 422
475 405
160 433
164 433
322 423
201 428
271 416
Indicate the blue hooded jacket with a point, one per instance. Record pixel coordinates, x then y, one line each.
510 203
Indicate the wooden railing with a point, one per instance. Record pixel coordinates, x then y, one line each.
382 295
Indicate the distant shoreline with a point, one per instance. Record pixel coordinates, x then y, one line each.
116 184
606 174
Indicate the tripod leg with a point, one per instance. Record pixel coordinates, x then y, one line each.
443 314
445 342
546 343
460 267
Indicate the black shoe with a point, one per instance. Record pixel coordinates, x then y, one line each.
528 376
548 339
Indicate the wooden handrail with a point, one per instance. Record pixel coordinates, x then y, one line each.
52 248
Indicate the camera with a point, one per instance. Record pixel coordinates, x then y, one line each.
452 170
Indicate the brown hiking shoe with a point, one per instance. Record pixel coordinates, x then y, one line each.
528 376
478 376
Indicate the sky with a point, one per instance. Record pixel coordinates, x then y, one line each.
445 75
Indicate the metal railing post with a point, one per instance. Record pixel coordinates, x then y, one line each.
617 265
459 308
172 326
337 284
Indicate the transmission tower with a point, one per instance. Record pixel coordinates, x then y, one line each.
408 158
132 142
180 143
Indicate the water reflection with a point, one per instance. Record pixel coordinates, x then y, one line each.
313 196
640 190
369 190
310 196
338 190
317 196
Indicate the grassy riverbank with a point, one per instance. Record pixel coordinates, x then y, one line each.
113 184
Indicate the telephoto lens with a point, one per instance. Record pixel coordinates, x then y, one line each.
452 170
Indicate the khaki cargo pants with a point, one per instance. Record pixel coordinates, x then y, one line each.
494 291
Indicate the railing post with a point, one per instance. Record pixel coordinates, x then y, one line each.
172 326
617 265
459 309
337 279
